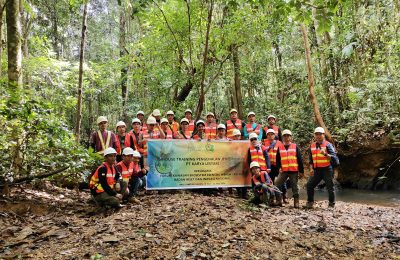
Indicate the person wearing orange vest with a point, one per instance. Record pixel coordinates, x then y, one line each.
140 115
252 127
139 175
102 139
234 123
258 153
121 140
200 132
263 187
184 133
221 133
166 129
134 138
271 119
272 147
105 184
126 167
188 116
290 164
210 127
322 153
171 122
153 132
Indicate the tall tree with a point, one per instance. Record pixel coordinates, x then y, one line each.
80 83
237 90
14 37
122 52
311 82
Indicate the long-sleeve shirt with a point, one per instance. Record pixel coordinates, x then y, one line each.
243 126
102 173
298 155
254 125
96 144
331 151
265 153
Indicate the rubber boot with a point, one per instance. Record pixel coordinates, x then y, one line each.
285 198
296 203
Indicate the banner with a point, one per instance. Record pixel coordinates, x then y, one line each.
191 164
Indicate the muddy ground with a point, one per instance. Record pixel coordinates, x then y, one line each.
61 224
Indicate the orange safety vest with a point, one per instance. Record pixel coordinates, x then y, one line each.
94 180
127 143
263 178
126 172
230 127
191 127
258 156
168 134
250 129
320 160
143 128
186 135
174 126
272 151
146 136
288 158
276 129
135 142
211 131
197 137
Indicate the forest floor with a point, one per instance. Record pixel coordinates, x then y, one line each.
55 223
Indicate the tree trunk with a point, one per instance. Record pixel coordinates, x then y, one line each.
14 76
200 104
237 91
80 87
2 7
311 83
122 53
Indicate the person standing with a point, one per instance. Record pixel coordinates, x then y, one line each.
271 119
200 133
252 127
166 129
171 122
234 123
153 132
140 115
289 161
188 116
121 140
322 156
210 127
221 133
102 139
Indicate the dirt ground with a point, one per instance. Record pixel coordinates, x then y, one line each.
61 224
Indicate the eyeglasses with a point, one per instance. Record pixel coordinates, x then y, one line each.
253 139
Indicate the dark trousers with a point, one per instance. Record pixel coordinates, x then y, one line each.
320 174
273 174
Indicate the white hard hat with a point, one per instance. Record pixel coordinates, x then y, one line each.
270 131
252 135
136 120
184 120
101 119
170 112
200 122
120 123
221 126
287 132
151 121
136 154
128 151
210 114
271 116
254 164
109 150
164 120
156 112
319 130
251 113
233 110
236 132
188 110
140 112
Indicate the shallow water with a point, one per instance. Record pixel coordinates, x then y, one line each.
370 197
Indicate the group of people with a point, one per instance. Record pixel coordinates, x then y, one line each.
272 156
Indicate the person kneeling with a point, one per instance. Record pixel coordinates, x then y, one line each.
263 188
105 184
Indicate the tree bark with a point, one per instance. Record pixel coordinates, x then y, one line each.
122 53
311 83
237 91
200 104
14 36
80 83
2 7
